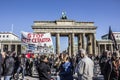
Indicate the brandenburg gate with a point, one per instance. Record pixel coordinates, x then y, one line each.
85 31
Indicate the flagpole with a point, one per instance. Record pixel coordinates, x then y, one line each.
110 41
12 29
11 33
112 38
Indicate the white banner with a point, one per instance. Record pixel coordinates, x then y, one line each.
38 43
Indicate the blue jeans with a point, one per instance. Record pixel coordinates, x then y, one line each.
23 72
7 77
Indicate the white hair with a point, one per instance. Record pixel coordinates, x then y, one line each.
82 51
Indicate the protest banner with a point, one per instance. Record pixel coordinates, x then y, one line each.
37 42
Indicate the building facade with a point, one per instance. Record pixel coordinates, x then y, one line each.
85 31
106 44
9 42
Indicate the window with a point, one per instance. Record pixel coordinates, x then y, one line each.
7 36
117 36
3 36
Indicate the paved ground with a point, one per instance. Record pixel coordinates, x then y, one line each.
31 78
97 75
27 78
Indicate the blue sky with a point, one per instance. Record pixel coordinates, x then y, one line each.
22 13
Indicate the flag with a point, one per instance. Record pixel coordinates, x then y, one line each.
112 37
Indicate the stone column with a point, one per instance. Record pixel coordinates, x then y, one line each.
111 47
1 47
79 41
69 44
99 49
94 44
83 41
104 46
9 47
16 48
58 43
89 44
72 45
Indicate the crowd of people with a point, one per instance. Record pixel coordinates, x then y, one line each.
110 65
78 67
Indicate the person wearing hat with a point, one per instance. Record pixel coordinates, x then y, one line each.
112 67
85 66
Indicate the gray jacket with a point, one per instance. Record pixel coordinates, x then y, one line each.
85 69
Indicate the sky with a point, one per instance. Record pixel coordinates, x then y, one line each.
22 13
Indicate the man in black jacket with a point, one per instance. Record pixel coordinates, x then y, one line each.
112 67
103 60
8 66
44 69
1 69
22 65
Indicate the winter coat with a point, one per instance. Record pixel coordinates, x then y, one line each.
103 60
8 66
43 71
1 67
109 71
66 71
